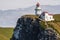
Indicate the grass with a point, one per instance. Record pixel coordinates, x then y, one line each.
54 26
6 33
57 17
43 26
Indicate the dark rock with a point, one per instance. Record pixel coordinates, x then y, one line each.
30 29
49 34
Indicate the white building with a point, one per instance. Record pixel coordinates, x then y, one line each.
43 15
46 16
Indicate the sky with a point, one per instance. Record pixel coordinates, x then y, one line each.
14 4
10 20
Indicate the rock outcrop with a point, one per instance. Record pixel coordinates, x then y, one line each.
28 28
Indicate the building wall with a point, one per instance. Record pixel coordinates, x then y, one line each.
47 17
38 11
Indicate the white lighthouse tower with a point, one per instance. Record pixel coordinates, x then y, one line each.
38 9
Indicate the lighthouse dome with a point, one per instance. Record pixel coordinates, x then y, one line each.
37 4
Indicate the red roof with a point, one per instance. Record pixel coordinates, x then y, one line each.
50 14
46 12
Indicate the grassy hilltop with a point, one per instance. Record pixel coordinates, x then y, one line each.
6 33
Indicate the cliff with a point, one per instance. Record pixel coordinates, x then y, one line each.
30 27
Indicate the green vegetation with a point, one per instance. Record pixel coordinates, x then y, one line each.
57 17
6 33
30 16
42 23
54 26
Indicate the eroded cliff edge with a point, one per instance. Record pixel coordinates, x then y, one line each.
30 27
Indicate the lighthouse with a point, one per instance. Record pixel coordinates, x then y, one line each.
38 9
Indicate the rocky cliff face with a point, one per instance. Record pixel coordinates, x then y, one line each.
29 28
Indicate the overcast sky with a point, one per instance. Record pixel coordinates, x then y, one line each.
14 4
